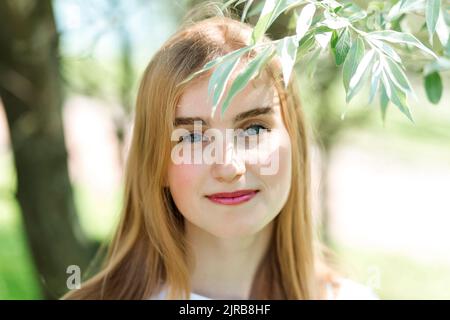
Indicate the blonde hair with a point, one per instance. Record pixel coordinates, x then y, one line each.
149 248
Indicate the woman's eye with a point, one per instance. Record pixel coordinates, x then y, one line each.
193 137
254 129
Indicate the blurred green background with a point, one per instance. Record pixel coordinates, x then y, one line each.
381 190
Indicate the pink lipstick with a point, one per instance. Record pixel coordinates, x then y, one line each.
232 198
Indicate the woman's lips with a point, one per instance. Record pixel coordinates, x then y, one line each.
232 198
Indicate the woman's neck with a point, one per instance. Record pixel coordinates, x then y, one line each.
225 268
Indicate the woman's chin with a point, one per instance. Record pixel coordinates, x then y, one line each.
233 231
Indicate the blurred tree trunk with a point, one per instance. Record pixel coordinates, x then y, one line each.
32 96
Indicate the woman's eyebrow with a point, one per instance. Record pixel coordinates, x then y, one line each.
239 117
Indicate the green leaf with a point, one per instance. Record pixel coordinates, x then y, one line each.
375 81
264 19
396 95
305 45
443 29
342 47
334 38
397 75
356 81
246 8
432 14
384 101
334 22
219 79
211 64
359 15
386 49
321 29
323 39
433 87
287 50
227 4
256 9
400 37
271 10
404 6
332 4
352 60
249 72
304 20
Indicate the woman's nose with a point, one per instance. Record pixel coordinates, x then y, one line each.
231 167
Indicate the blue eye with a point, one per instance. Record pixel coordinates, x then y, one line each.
193 137
254 129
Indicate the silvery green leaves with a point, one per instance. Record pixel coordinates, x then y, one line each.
246 8
271 10
245 11
433 10
287 47
395 86
405 6
228 58
334 21
357 78
340 45
387 76
351 63
221 75
366 50
219 79
304 21
400 38
385 66
251 69
287 51
432 15
224 67
394 80
443 27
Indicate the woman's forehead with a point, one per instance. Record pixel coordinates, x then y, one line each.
195 102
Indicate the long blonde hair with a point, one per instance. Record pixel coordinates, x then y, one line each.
148 248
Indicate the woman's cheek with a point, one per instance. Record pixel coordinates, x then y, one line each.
183 180
273 152
276 172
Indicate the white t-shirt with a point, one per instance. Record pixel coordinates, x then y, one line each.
348 290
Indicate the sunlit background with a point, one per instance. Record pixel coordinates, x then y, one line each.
385 189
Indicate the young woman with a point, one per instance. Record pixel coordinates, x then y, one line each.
220 230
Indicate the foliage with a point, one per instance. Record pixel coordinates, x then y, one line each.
369 43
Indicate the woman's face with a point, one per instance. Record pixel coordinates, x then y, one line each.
260 169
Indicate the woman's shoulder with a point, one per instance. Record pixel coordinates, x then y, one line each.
347 289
